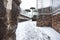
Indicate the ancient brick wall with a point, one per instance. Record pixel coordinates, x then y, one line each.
45 20
49 20
56 22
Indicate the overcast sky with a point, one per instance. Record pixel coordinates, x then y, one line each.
56 3
26 4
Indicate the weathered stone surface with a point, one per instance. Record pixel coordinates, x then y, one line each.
44 17
2 9
49 20
44 20
2 20
56 22
2 29
8 19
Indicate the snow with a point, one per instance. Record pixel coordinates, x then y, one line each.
9 4
29 31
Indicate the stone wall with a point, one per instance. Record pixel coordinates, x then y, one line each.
44 20
2 19
56 22
44 17
49 20
9 11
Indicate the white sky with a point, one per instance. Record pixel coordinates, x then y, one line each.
56 3
26 4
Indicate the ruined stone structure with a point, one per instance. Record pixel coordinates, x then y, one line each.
9 11
51 20
44 20
44 17
56 22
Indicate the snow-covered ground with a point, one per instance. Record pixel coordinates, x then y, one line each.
29 31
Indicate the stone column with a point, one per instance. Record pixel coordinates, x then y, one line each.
2 20
9 11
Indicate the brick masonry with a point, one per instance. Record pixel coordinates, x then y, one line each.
56 22
49 20
44 20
